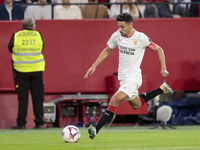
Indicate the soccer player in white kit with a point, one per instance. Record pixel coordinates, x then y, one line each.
131 44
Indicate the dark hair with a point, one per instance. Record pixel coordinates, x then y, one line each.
125 17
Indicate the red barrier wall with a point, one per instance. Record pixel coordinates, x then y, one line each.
72 46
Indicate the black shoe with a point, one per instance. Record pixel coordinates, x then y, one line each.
18 127
38 127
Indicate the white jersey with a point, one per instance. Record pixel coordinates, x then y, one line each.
38 12
131 52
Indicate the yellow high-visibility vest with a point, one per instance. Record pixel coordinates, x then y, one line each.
27 51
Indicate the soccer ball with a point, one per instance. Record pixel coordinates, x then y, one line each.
71 134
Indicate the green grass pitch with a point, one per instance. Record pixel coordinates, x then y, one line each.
109 138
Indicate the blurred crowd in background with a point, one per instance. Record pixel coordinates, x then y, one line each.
92 9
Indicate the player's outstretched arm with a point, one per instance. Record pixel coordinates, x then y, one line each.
161 56
101 57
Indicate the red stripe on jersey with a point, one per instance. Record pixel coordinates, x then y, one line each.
109 47
152 45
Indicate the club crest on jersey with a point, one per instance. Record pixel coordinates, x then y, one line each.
135 42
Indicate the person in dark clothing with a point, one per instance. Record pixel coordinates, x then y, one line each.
26 47
147 11
170 10
8 11
194 9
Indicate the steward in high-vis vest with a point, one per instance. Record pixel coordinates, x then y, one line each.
28 65
27 51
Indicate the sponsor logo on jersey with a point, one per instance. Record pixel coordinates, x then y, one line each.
120 39
135 42
124 87
126 50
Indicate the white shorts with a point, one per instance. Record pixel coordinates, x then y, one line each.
130 87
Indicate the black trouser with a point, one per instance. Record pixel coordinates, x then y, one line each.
34 82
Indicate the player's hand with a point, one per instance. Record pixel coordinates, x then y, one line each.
89 72
164 73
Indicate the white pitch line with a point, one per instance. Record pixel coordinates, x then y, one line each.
168 148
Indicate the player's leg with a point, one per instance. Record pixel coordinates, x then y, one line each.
164 88
112 107
108 114
128 88
138 102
